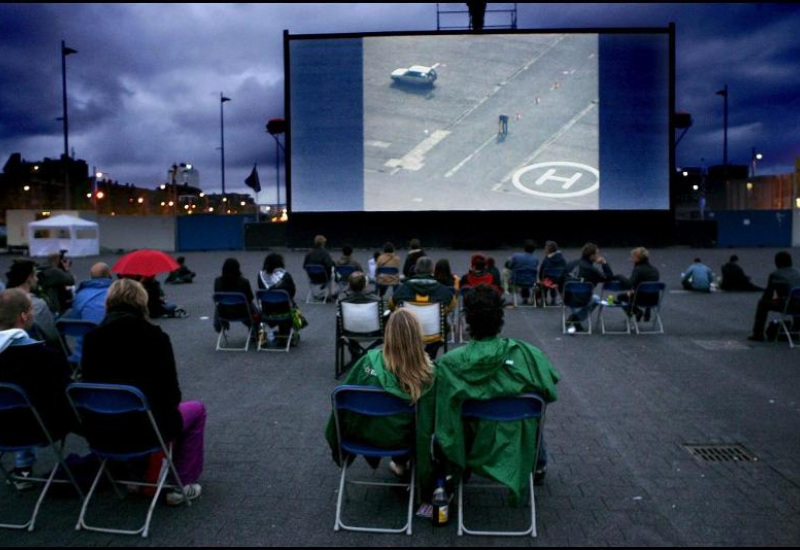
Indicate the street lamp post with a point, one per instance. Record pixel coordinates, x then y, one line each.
754 158
275 127
724 94
65 51
222 100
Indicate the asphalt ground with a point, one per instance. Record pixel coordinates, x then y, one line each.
619 473
436 148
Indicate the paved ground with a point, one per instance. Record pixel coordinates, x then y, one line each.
425 145
619 473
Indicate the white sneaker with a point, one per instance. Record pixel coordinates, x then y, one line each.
175 497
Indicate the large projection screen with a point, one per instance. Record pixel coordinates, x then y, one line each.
534 121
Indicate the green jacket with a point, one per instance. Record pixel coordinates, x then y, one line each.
392 431
484 369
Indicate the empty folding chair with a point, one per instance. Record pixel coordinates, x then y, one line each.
233 307
319 284
119 427
276 313
22 429
356 324
374 402
577 296
505 409
647 299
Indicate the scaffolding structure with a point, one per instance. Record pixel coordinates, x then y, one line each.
456 17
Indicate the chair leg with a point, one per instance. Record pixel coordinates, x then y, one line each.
337 524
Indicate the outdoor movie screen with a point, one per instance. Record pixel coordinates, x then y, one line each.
495 122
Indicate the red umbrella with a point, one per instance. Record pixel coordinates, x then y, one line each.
145 263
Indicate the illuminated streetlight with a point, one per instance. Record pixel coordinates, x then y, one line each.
242 203
162 186
224 199
98 175
685 173
88 195
202 195
749 186
26 188
211 208
186 207
100 195
163 203
171 203
695 187
140 200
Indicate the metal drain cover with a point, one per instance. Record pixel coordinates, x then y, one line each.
721 453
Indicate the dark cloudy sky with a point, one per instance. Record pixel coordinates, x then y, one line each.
144 87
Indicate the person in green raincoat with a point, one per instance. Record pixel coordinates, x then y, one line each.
403 369
488 367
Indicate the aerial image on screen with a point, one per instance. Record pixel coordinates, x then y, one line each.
489 123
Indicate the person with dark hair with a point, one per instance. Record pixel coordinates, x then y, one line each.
443 274
478 273
356 289
182 275
387 259
491 268
585 270
780 283
698 277
319 256
347 258
22 275
552 262
488 367
56 283
415 252
157 300
231 280
521 260
274 276
643 272
734 278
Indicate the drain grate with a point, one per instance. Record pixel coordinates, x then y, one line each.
721 453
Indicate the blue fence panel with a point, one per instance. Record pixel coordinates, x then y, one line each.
769 228
212 232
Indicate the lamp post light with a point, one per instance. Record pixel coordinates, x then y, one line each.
754 158
222 100
65 51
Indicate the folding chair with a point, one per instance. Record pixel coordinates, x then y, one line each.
553 274
375 402
385 270
523 278
461 322
21 428
431 316
276 310
112 418
505 409
70 330
357 323
609 289
343 273
319 284
233 307
791 311
648 297
577 295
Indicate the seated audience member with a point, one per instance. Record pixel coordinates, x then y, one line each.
780 283
643 272
387 259
443 274
127 349
156 300
347 258
22 275
553 260
90 300
485 368
698 277
319 256
356 290
182 275
56 283
584 270
478 273
38 369
734 278
231 280
404 370
491 267
520 260
274 276
372 265
415 252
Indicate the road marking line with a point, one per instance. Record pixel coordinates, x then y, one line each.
376 143
415 159
574 120
461 164
497 187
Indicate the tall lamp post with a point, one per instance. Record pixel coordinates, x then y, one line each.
275 127
724 93
222 100
754 158
65 51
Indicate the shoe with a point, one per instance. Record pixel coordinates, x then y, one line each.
539 475
21 478
175 497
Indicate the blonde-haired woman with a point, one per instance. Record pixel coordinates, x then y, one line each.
127 349
403 369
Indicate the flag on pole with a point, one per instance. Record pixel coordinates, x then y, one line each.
252 180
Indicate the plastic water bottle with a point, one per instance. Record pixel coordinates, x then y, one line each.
440 504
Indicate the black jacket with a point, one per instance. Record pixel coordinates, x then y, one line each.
643 272
424 288
584 270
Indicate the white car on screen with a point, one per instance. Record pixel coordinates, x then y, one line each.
418 75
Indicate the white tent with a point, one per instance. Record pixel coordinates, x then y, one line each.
78 237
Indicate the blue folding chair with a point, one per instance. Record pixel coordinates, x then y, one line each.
343 273
22 429
577 296
386 270
553 274
233 307
608 302
71 330
648 298
523 278
276 310
119 427
376 402
319 284
505 409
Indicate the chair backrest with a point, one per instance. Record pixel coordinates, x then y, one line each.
232 306
361 318
317 274
649 294
116 419
387 270
505 409
793 302
74 327
552 273
431 317
344 271
275 304
577 294
524 276
20 423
